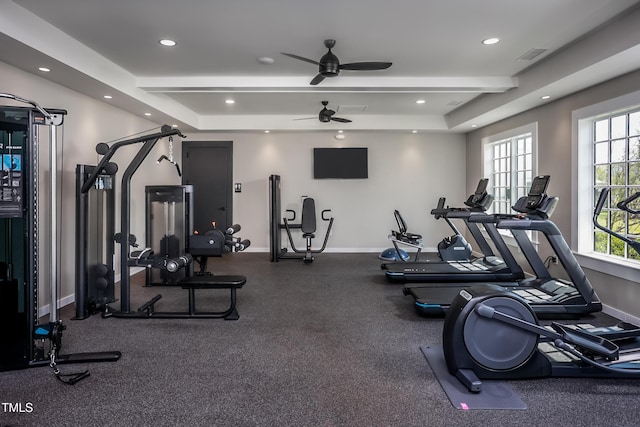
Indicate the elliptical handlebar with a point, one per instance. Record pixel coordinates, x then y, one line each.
635 244
601 201
624 205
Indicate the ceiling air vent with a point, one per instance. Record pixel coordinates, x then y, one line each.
531 54
350 109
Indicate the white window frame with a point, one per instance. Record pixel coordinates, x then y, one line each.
517 188
583 190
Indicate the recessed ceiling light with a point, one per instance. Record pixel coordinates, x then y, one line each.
267 131
265 60
414 131
474 126
174 126
420 101
339 136
167 42
147 114
44 69
490 41
545 97
229 101
340 131
107 97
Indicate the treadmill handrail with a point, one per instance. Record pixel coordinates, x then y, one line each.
562 250
491 218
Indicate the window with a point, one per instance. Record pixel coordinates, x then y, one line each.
616 152
510 164
606 144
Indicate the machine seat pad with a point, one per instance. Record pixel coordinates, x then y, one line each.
308 216
213 282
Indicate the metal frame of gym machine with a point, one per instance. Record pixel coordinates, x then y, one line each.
124 236
168 227
275 238
213 244
35 334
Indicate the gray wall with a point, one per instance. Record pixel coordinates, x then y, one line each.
554 158
407 171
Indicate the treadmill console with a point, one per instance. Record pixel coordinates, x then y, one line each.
481 190
480 199
538 191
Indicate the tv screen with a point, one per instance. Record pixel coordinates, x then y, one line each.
340 163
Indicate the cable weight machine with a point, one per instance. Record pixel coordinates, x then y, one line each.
29 343
97 294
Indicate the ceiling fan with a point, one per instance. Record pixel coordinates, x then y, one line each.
329 65
325 115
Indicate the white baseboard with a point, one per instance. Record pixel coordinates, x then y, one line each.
346 250
70 299
621 315
62 302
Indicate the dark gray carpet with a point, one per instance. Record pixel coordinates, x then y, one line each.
326 344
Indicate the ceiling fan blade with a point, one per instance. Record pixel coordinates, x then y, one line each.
291 55
317 79
307 118
341 120
366 66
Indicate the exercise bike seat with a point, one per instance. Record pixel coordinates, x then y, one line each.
308 225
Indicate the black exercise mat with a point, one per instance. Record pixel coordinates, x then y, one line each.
494 394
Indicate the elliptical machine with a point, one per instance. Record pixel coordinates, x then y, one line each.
491 333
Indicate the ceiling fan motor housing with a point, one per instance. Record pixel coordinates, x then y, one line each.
329 65
325 114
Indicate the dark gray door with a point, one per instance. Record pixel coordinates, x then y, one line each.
208 166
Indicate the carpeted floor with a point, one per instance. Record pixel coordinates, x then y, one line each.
325 344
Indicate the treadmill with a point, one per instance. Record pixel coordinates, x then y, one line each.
486 268
549 297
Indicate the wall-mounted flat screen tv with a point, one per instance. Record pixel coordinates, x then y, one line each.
340 163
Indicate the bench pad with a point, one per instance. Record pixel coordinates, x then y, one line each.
213 282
